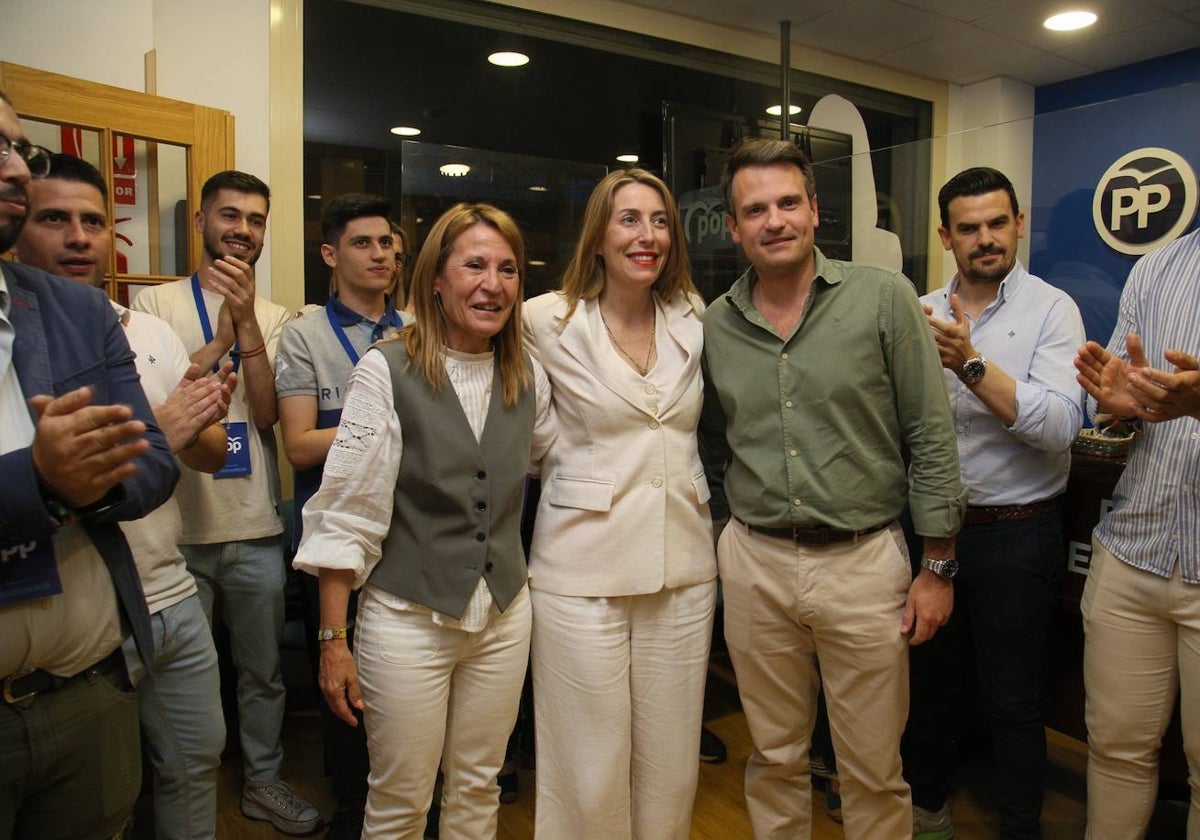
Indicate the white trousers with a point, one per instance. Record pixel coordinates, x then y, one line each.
1142 645
786 606
437 694
618 690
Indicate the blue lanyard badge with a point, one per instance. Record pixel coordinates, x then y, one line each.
206 326
237 451
28 572
336 326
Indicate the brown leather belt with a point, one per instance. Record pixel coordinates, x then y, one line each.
23 685
990 514
815 534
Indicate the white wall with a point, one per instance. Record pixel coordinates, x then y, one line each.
991 124
213 53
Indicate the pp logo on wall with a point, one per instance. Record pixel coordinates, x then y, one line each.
1146 199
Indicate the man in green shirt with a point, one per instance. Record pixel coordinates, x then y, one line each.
820 374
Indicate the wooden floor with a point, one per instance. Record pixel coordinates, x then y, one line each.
720 810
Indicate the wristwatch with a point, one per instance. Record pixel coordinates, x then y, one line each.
328 634
945 569
973 369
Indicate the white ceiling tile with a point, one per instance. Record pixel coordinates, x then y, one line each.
1160 37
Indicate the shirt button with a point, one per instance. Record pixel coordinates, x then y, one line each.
793 452
787 404
480 537
653 424
651 390
795 503
962 430
657 481
783 355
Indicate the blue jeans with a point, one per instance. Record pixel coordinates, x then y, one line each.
249 576
180 707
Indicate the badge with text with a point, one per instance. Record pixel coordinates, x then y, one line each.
28 572
237 452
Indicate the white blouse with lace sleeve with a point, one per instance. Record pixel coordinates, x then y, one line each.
347 519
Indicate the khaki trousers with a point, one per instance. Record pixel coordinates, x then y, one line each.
1142 645
786 607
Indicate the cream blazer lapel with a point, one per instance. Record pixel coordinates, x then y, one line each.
586 341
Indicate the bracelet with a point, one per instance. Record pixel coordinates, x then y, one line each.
250 354
331 633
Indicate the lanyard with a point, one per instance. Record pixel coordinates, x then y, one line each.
206 326
336 326
389 318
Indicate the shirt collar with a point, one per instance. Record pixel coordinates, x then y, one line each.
1009 286
5 297
347 317
740 293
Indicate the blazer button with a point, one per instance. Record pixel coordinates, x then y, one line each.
480 537
481 506
481 475
488 566
653 424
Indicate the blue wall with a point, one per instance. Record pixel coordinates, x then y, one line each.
1081 127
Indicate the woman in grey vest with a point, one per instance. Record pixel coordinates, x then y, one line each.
420 505
622 569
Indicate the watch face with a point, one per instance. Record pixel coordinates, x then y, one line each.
974 369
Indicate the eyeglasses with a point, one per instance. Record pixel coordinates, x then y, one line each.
403 258
35 157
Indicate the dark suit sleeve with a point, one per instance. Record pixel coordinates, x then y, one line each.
23 512
157 473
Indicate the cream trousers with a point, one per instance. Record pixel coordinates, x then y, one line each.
1142 636
618 688
437 694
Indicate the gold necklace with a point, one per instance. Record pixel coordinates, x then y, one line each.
642 369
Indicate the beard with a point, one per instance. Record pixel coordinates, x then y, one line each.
10 226
213 246
993 273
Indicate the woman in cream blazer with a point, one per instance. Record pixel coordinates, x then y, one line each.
622 568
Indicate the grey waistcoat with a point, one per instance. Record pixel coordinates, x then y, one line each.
456 513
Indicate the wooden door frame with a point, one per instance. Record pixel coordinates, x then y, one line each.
206 133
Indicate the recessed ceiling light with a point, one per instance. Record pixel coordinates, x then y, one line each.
508 59
1066 21
777 110
454 170
313 197
537 263
627 158
537 188
405 130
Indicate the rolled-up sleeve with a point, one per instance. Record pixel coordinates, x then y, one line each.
936 496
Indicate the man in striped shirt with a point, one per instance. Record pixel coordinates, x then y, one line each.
1141 604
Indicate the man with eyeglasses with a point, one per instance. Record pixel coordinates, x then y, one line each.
79 451
68 234
317 355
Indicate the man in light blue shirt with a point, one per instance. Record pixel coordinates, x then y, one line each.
1006 340
1141 603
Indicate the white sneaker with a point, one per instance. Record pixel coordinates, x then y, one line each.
278 804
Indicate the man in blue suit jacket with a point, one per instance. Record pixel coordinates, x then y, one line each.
79 451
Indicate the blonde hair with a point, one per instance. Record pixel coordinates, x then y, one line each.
426 337
584 277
